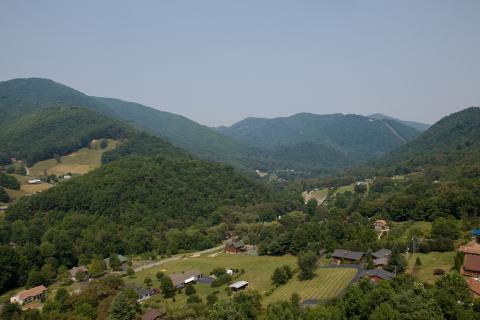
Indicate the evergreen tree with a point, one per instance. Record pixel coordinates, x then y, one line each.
166 285
123 308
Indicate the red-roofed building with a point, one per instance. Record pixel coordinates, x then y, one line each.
474 285
471 265
30 295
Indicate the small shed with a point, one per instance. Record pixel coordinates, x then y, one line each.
239 285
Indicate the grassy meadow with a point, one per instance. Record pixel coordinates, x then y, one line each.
78 162
430 262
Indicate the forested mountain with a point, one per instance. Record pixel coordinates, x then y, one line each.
181 131
419 126
453 143
20 96
356 137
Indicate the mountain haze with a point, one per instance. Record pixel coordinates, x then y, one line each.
415 125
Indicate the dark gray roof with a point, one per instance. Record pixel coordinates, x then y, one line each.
347 254
382 253
382 274
380 261
310 302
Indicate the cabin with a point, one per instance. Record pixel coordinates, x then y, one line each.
381 257
38 293
179 280
239 285
235 247
471 265
343 255
376 275
380 225
154 314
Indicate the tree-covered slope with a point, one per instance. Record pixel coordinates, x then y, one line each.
180 131
453 142
358 137
21 96
44 133
419 126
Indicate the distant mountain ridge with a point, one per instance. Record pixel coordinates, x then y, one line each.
356 137
412 124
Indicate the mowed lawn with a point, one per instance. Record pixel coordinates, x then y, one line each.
258 269
78 162
344 189
328 283
430 262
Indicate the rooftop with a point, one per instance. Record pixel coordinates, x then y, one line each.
239 284
472 262
474 285
154 314
35 291
380 273
380 261
179 278
347 254
382 253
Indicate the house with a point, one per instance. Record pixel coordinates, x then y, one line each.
154 314
26 296
340 255
471 248
378 274
381 257
145 293
239 285
34 181
471 265
474 286
179 280
76 271
121 258
235 247
380 225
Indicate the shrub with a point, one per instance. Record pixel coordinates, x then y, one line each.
439 272
224 278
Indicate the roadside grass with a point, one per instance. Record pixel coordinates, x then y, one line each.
430 262
327 284
78 162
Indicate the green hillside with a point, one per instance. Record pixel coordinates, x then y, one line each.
419 126
355 136
451 144
180 131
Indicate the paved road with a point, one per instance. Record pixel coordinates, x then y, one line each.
175 258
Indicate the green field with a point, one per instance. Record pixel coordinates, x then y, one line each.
328 283
344 189
79 162
430 262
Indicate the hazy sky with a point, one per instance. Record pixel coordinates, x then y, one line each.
217 62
